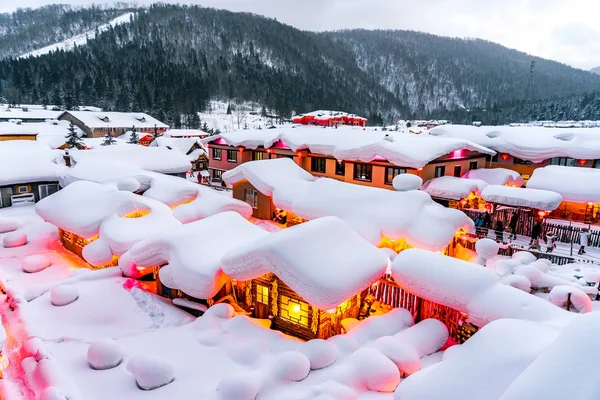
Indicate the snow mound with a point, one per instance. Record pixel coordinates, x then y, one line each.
8 225
245 353
518 281
525 257
222 310
559 296
151 372
238 388
52 393
373 370
104 354
15 239
64 295
128 185
486 248
406 182
291 366
35 263
539 279
320 353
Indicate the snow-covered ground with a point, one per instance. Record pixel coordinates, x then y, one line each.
246 116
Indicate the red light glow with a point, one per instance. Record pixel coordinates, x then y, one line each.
505 157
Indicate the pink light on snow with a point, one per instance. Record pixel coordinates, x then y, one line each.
280 144
219 141
458 154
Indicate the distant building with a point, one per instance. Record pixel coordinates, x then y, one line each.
329 118
97 124
25 114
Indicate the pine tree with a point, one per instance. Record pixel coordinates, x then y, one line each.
228 109
205 127
134 138
108 139
73 139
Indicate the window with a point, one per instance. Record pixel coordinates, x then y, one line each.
392 172
251 197
440 171
564 161
290 156
23 189
491 158
47 190
217 175
216 154
340 167
294 311
472 165
262 294
522 162
317 164
457 171
258 155
363 172
596 164
232 155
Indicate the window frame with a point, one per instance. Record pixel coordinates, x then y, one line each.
401 171
286 305
254 194
216 151
19 191
340 168
219 173
441 168
368 169
258 155
457 171
316 162
471 163
233 159
262 296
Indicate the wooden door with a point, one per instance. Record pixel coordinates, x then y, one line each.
261 305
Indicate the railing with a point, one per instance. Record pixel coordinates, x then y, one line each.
569 233
22 198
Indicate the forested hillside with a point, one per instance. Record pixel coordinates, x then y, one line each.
170 60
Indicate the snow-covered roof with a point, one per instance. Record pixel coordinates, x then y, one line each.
496 176
323 261
185 133
194 266
265 175
471 289
521 197
10 128
116 119
532 143
450 187
579 185
351 143
326 114
92 210
19 113
156 159
183 145
27 161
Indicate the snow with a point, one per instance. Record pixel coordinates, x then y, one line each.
580 301
35 263
237 388
521 197
104 354
180 248
64 295
265 175
450 187
470 288
486 248
323 260
535 144
351 143
8 225
27 161
406 182
572 183
183 145
20 114
176 133
496 176
155 159
14 239
320 353
79 40
151 372
370 369
291 366
95 120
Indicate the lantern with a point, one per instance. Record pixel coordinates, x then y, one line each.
505 157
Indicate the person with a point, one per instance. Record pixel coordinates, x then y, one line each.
513 226
550 243
499 231
535 244
584 237
478 221
536 231
487 220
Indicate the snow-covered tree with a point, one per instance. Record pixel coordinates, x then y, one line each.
134 138
73 139
108 139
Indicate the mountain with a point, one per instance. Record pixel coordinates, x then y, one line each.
170 60
595 70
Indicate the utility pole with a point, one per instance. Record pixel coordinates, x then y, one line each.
529 90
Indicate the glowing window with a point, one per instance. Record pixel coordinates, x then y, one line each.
294 311
345 306
262 294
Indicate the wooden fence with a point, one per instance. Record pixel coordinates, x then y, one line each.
568 234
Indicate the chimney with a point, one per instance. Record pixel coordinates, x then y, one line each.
67 158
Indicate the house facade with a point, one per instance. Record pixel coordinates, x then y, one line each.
27 192
98 124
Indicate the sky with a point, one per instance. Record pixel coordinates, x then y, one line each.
562 30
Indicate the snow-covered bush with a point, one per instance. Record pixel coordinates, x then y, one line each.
151 372
15 239
580 301
8 225
320 353
406 182
238 388
64 295
291 366
245 353
35 263
104 354
524 257
222 310
128 185
373 371
486 249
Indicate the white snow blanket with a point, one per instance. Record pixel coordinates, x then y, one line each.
92 210
471 289
156 159
534 144
521 197
27 161
126 120
496 176
194 265
323 260
450 187
265 175
351 143
578 185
